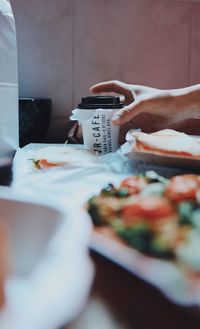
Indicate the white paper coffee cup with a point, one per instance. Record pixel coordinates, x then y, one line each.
99 133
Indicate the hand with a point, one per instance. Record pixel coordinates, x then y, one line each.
152 109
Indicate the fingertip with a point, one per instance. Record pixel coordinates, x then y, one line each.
95 88
116 120
91 89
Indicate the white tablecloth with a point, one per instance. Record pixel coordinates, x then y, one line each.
78 181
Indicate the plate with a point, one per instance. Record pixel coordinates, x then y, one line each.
154 158
178 285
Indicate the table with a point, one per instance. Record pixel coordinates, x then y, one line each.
120 300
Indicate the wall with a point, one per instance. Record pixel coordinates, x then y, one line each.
64 46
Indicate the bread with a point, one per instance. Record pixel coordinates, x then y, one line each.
167 142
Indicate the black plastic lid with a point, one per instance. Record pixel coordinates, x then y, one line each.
105 102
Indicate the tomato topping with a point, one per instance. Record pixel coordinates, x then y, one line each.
148 208
134 184
183 188
46 164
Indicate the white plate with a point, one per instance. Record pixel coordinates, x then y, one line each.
154 158
167 276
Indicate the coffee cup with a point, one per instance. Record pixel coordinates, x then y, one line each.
94 114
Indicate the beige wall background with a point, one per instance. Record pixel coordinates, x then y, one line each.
65 46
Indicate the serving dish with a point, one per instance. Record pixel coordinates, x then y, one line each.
156 157
163 275
161 160
50 272
148 232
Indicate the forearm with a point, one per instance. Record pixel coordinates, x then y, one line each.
188 99
176 108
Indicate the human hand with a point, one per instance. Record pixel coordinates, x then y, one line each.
152 109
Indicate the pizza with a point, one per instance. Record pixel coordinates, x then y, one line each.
59 156
167 142
158 217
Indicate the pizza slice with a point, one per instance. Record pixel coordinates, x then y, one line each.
167 142
55 156
150 213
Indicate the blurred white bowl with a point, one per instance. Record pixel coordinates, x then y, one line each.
51 272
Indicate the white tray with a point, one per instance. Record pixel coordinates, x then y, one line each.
178 286
154 158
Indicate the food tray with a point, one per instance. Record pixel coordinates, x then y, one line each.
155 158
176 284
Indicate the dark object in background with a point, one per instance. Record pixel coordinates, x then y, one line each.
100 102
75 134
34 120
6 168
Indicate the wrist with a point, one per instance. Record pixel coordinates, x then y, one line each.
186 90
